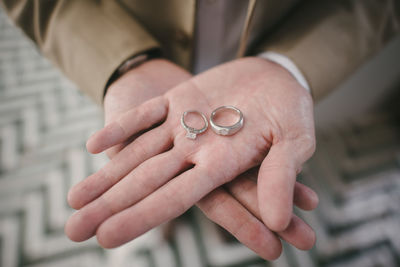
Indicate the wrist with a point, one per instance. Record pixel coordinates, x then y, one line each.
130 64
150 79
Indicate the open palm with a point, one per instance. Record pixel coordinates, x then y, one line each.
178 172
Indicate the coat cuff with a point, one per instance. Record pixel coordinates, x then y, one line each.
92 42
87 40
289 65
329 40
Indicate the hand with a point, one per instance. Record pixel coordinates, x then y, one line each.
154 78
235 207
271 79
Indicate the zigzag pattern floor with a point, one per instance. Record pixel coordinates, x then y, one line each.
44 122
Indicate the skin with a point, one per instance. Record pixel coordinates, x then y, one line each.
143 132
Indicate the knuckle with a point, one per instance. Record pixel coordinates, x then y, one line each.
103 179
108 204
140 148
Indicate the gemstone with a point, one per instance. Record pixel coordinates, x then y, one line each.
223 131
191 135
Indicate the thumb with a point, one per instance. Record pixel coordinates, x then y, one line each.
276 181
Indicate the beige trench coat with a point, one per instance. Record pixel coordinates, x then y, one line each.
89 39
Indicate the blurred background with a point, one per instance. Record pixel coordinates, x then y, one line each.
45 121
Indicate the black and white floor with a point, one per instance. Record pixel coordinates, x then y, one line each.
44 122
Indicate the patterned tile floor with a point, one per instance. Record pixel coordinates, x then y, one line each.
44 122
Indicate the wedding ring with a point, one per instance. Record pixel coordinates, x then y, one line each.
226 130
191 132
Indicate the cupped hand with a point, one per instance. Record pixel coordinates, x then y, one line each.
278 122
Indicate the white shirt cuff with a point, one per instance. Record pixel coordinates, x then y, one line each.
289 65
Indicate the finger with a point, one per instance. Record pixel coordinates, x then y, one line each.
245 186
114 150
220 207
298 233
143 180
304 197
144 147
276 180
133 121
168 202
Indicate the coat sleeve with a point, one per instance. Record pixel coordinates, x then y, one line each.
86 39
328 40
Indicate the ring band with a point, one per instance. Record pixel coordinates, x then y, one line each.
191 132
226 130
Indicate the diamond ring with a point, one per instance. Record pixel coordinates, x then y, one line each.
226 130
191 132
